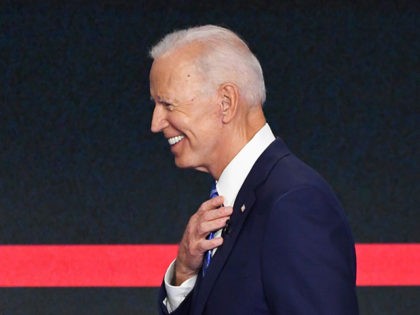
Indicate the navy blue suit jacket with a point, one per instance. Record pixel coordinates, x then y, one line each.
289 252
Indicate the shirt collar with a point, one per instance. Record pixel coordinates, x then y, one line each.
235 173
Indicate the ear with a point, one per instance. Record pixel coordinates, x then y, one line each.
229 101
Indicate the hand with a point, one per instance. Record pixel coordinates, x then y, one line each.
211 216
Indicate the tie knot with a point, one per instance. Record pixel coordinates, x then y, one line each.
213 191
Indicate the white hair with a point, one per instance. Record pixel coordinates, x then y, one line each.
226 58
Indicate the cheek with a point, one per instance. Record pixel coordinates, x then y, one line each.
210 140
207 132
201 128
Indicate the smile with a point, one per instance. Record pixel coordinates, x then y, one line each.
175 140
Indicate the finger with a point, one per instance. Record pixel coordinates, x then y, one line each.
213 203
206 245
209 226
217 213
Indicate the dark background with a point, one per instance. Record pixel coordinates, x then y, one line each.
79 165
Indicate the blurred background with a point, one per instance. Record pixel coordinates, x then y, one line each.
79 165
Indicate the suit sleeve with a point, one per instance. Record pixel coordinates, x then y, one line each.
308 259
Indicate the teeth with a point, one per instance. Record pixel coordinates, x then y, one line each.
174 140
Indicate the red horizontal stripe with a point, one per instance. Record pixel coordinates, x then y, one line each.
144 265
388 264
84 265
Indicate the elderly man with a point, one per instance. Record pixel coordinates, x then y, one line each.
273 239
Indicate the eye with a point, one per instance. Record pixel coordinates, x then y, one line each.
168 106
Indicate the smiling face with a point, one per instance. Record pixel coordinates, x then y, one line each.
187 112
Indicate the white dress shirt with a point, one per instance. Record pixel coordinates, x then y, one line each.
228 186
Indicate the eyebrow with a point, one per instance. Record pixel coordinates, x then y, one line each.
163 100
158 99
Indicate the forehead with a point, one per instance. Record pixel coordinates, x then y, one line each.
175 74
181 62
171 68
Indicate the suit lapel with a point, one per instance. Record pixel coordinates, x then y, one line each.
241 209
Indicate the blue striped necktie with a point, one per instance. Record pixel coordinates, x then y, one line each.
207 256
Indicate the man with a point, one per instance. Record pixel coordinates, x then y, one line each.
280 243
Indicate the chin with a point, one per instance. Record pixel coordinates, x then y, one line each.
182 164
187 164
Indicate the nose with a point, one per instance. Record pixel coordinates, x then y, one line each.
159 121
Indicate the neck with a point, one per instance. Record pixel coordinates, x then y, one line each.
237 134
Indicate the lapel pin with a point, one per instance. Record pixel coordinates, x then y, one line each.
243 208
